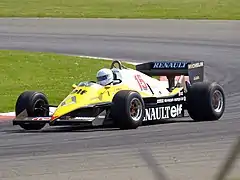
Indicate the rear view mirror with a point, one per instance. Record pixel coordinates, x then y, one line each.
74 86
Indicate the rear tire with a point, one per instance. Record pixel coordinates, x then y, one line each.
128 109
32 102
206 101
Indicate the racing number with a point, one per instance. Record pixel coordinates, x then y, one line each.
141 82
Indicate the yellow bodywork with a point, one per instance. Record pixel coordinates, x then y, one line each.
83 96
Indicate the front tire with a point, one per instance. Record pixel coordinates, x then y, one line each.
206 101
128 109
35 105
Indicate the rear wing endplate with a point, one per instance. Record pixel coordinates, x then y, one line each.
193 69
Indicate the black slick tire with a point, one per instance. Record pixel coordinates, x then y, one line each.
205 101
128 109
32 101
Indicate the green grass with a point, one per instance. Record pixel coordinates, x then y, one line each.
190 9
50 73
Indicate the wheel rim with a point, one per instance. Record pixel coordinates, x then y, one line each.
136 109
38 108
217 101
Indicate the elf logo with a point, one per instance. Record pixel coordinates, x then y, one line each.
163 112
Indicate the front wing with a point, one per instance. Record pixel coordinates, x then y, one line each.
89 121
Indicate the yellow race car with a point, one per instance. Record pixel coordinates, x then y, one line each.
136 96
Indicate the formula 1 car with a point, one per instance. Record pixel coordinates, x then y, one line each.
135 97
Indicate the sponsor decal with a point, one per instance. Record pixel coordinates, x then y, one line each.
85 118
163 112
169 65
78 91
196 78
195 65
41 118
178 99
180 93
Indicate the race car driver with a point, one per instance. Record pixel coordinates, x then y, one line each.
105 77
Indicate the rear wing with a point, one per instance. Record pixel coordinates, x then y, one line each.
193 69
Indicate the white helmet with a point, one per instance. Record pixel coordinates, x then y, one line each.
105 76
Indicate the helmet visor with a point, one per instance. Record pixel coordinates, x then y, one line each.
102 78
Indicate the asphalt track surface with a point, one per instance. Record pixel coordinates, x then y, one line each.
184 149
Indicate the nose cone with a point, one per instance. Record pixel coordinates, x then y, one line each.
79 97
